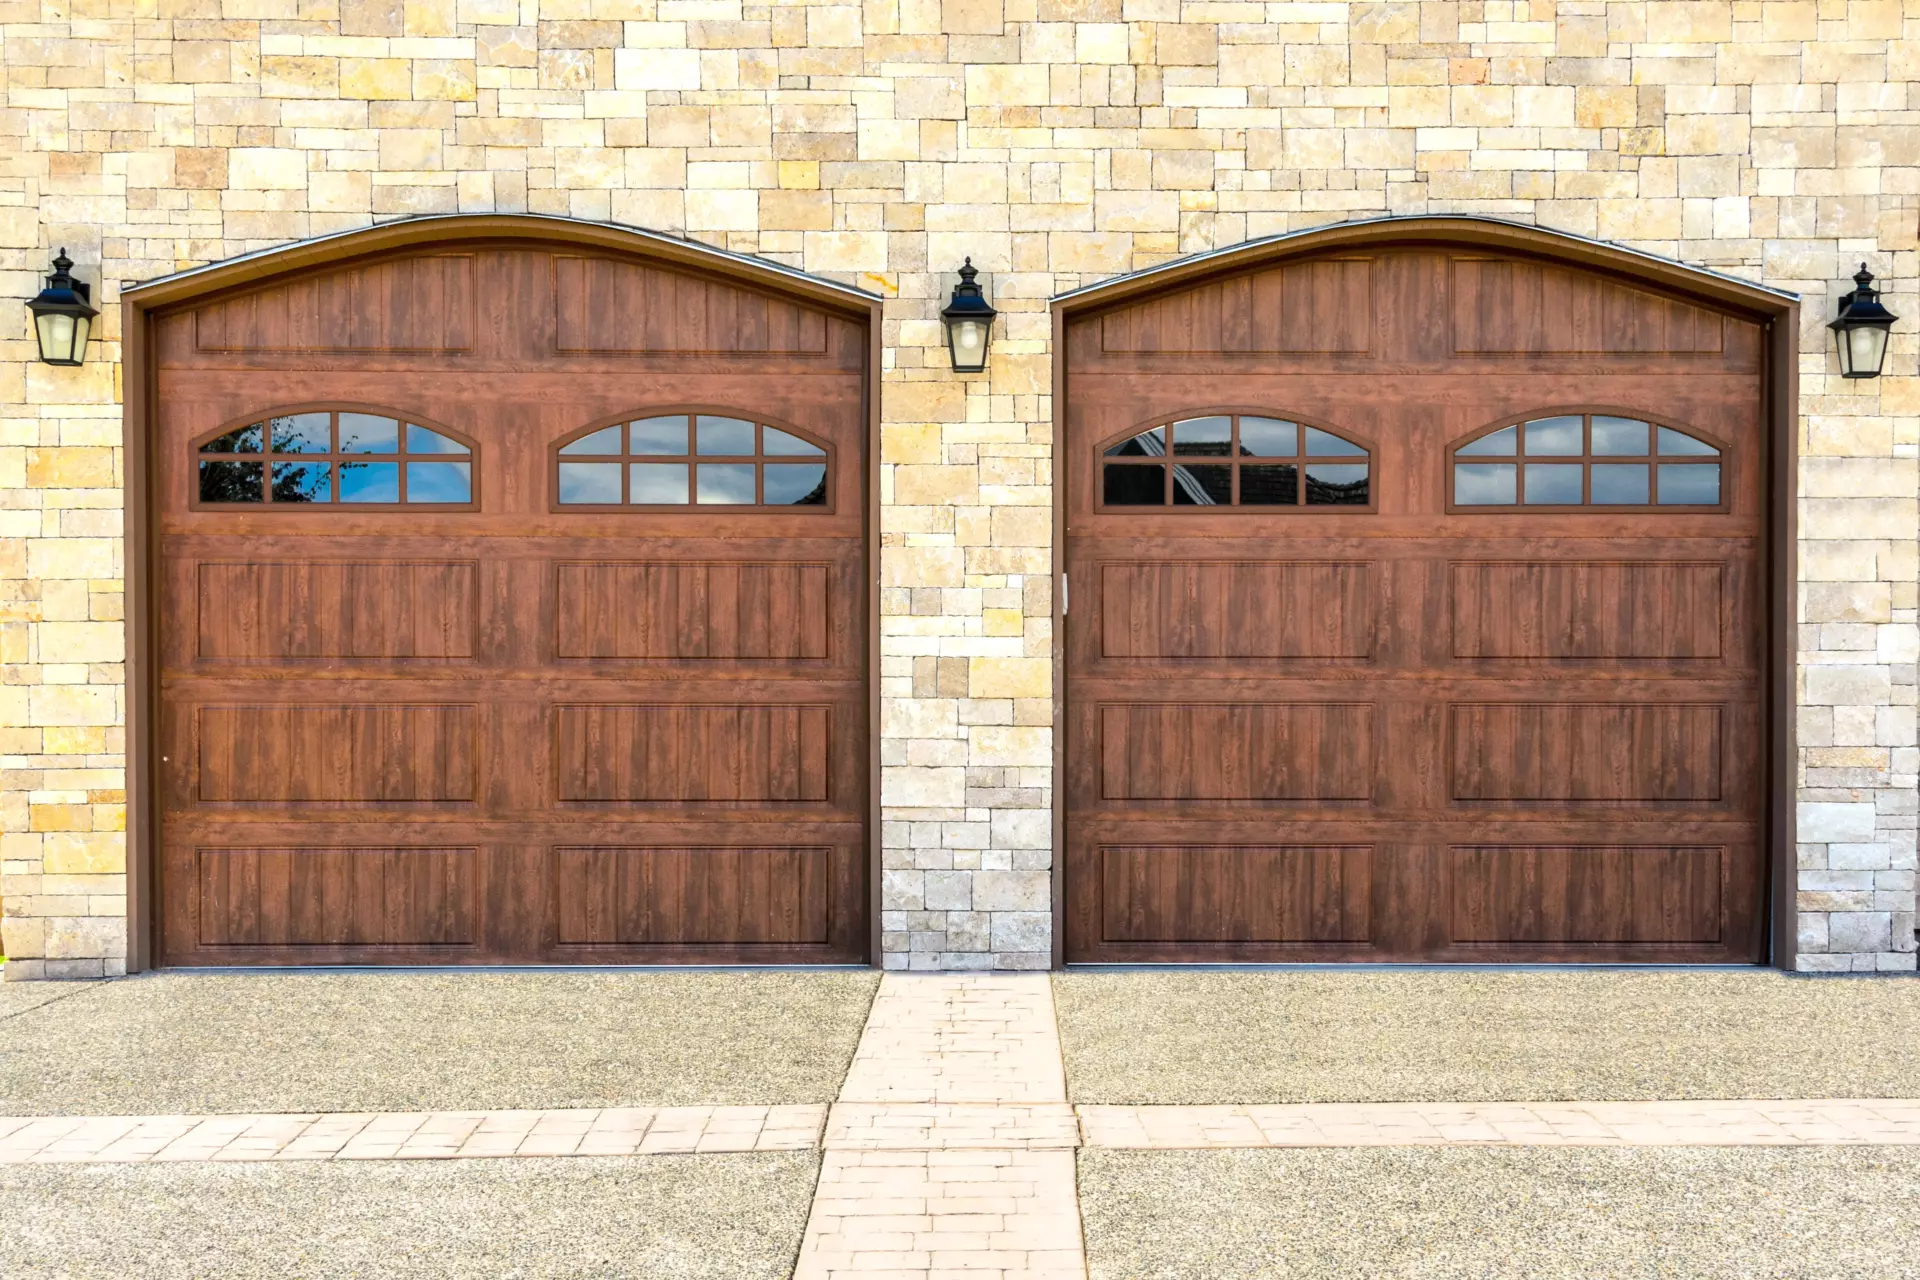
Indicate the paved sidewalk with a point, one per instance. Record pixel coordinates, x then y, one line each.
439 1135
967 1165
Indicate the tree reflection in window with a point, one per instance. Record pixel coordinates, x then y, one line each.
691 459
1586 460
335 457
1236 460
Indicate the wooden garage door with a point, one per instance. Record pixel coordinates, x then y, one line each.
1415 613
510 609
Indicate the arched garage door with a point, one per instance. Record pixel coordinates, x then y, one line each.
510 604
1416 611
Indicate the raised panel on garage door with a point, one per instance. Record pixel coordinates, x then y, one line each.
520 620
1415 613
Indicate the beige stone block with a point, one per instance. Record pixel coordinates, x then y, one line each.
201 62
430 17
937 401
1845 602
410 150
1136 210
921 567
972 17
1413 106
1482 104
23 937
1689 21
990 677
70 468
1893 518
1183 170
1101 43
997 745
1389 23
1186 44
1008 86
910 787
1789 20
889 139
85 937
1707 135
295 77
1380 148
385 78
72 704
84 853
266 169
1639 219
82 642
1849 437
796 210
910 442
648 69
1604 106
1022 526
936 485
444 80
845 251
722 210
1314 64
71 558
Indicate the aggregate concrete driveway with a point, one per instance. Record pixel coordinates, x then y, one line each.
1467 1036
171 1043
719 1217
1462 1213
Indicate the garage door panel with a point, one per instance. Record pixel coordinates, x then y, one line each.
336 897
692 753
1624 610
1229 893
1237 751
354 609
1587 752
370 753
643 895
739 611
1236 609
1600 893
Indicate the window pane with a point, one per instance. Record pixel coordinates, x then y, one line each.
1337 485
726 482
1134 486
231 482
369 482
661 436
1501 443
778 443
1695 484
1484 484
724 436
1554 437
1270 486
594 483
239 440
368 433
796 484
421 440
605 440
439 482
1269 438
1553 484
1148 444
1203 437
1202 486
1619 484
1679 443
658 484
301 433
1619 436
1325 443
302 481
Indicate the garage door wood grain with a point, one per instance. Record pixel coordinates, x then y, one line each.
1404 721
452 721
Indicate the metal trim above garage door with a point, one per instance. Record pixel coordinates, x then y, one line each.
142 304
1776 311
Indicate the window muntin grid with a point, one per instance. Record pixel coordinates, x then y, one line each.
334 457
1251 461
1586 460
691 459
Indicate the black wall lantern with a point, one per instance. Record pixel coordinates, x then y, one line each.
1861 330
62 315
969 320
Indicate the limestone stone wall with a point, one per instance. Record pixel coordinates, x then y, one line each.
1056 142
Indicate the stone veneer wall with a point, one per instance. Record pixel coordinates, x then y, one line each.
1055 141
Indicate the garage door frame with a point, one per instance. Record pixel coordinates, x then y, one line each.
142 304
1777 311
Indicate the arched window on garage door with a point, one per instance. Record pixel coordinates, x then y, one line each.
666 460
1256 461
1586 460
346 457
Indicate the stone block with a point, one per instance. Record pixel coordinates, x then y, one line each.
1830 822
